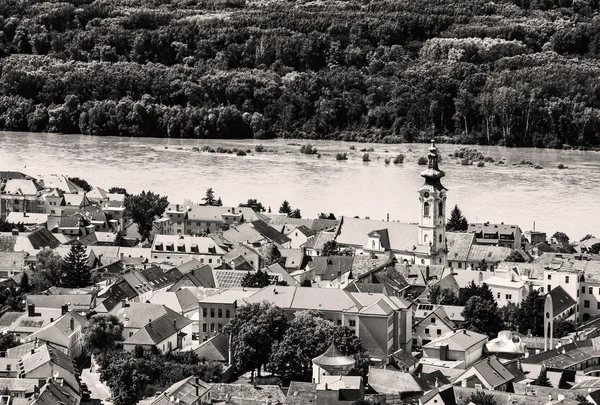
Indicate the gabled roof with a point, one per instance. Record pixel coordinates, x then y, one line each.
294 258
179 301
22 187
403 358
75 302
318 241
491 254
402 236
45 354
281 273
214 349
137 314
59 331
190 265
247 393
491 372
331 267
26 218
61 182
306 231
41 238
269 232
440 314
9 317
159 330
561 300
446 393
186 392
459 340
501 229
393 382
12 260
53 393
458 245
156 277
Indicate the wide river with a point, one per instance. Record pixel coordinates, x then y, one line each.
556 200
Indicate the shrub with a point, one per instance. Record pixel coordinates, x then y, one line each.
241 153
480 163
422 161
561 166
387 161
259 148
308 149
366 158
466 162
341 156
352 147
399 159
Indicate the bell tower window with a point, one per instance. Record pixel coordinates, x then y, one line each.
440 238
441 209
426 209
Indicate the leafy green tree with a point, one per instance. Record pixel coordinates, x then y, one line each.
254 204
309 336
48 270
482 316
118 190
331 248
79 182
8 340
296 213
530 314
323 215
480 398
594 249
258 279
144 208
445 296
24 285
255 329
473 290
76 270
561 238
457 222
12 299
563 328
285 208
102 333
509 314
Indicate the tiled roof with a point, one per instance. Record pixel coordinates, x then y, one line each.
402 236
293 258
415 274
214 349
12 260
561 300
53 393
202 277
186 392
230 295
188 266
247 393
491 254
45 354
26 218
190 244
76 302
269 232
22 187
393 382
41 238
459 245
493 373
156 277
366 264
404 359
318 241
61 182
9 317
158 330
301 393
179 301
446 393
502 229
440 314
306 231
8 174
137 314
331 267
24 385
282 275
459 340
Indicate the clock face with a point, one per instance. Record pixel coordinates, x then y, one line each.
426 194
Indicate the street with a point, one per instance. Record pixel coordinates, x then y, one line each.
98 390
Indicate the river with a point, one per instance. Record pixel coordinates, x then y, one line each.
557 200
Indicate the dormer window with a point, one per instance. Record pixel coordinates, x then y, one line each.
169 247
194 248
181 247
426 209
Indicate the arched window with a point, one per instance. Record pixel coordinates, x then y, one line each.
441 238
425 238
373 244
441 208
426 209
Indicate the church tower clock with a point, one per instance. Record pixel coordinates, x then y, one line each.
432 218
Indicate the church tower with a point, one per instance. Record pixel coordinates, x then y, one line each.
432 218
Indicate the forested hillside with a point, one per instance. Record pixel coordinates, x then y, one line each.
511 72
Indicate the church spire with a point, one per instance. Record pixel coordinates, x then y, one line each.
433 174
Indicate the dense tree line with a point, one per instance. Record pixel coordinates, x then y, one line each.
514 72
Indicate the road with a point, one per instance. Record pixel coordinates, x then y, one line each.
98 390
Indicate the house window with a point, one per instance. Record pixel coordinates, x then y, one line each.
439 332
427 331
498 295
210 260
204 312
590 290
586 304
212 327
598 305
426 209
440 238
8 367
195 336
432 320
567 279
583 290
339 321
227 314
220 313
204 328
352 323
549 288
460 265
220 328
130 334
373 244
549 276
509 296
212 312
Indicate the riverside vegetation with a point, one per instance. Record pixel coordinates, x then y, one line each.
511 72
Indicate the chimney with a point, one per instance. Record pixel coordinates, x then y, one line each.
124 304
15 232
64 309
31 310
426 275
388 217
32 351
197 387
175 324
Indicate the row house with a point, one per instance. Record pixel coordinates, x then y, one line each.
178 249
496 234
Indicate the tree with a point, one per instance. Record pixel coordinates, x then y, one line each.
8 340
309 336
481 398
515 256
561 238
76 270
563 328
48 270
473 290
144 208
542 379
254 204
331 248
296 214
482 316
483 266
210 199
24 284
322 215
456 222
444 296
259 279
586 237
368 401
509 314
530 314
582 400
120 239
285 208
594 249
118 190
102 333
79 182
254 330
